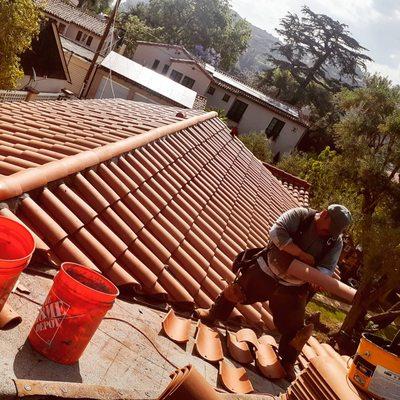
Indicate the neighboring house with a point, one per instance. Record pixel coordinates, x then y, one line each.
120 77
299 188
44 64
247 109
76 24
78 60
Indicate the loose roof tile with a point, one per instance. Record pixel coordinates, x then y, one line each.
268 363
234 379
162 211
208 343
239 351
187 383
177 329
8 317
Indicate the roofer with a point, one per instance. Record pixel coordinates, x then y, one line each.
312 237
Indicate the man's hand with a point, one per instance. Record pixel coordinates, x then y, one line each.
306 258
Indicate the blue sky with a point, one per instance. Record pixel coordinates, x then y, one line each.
374 23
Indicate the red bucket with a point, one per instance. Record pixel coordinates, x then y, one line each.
16 248
72 312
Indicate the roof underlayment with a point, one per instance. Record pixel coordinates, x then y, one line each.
158 203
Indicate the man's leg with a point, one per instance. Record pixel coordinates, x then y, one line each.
252 286
288 305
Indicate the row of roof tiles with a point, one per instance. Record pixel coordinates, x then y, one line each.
67 12
165 219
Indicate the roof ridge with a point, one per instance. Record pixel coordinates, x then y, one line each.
32 178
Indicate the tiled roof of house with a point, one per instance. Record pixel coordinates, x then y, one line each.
232 84
299 188
159 203
69 13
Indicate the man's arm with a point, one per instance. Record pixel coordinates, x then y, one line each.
284 228
329 262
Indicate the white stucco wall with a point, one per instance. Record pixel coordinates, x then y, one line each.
71 30
202 81
256 118
147 54
215 101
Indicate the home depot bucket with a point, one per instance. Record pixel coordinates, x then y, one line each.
16 249
69 317
376 370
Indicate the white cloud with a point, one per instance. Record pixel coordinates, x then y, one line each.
393 73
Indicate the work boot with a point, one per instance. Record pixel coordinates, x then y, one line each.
302 337
204 315
290 372
314 318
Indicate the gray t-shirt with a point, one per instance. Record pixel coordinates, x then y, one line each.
282 233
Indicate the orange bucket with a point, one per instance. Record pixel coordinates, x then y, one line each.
72 312
16 248
374 369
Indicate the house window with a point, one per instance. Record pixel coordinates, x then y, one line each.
89 40
237 110
188 82
61 28
84 37
226 97
274 128
176 76
155 65
165 69
78 36
211 90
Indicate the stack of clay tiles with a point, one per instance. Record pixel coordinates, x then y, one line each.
159 201
324 375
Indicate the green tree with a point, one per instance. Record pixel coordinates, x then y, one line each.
312 47
363 175
97 6
20 23
258 144
134 30
209 23
318 101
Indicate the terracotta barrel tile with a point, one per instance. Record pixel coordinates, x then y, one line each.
208 343
122 279
112 180
175 290
76 204
202 300
268 339
128 216
239 351
184 259
234 379
101 187
154 244
183 276
137 269
177 329
62 214
42 221
118 225
268 363
143 253
9 318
